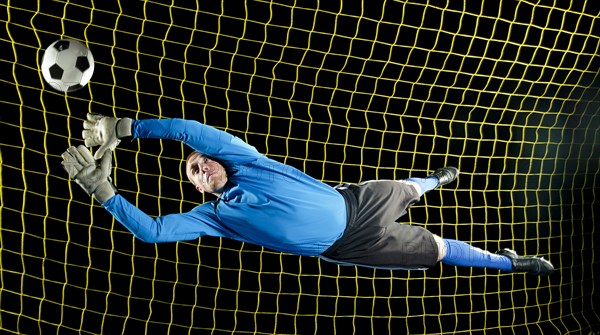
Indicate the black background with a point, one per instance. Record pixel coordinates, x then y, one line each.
345 92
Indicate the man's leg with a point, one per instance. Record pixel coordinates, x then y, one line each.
441 176
458 253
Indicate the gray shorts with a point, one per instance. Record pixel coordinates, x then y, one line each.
374 237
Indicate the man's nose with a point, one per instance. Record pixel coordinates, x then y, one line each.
204 167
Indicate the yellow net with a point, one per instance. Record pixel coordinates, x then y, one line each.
345 91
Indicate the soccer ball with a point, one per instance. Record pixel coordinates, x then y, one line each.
67 65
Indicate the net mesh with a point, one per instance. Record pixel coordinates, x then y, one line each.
344 91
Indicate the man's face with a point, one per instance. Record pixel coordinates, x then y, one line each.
206 174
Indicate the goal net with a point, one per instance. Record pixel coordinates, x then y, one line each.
346 92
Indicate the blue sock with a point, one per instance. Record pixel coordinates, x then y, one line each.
426 184
459 253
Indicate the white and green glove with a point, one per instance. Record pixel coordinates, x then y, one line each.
94 178
104 131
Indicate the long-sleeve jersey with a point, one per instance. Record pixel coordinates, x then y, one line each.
265 202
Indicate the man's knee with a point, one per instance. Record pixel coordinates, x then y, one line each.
441 247
415 186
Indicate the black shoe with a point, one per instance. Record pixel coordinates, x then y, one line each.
530 264
445 175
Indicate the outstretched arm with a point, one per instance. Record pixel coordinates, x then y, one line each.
107 131
168 228
94 177
200 137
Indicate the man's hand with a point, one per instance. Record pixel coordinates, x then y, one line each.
103 131
92 177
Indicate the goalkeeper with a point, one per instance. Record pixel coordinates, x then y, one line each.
264 202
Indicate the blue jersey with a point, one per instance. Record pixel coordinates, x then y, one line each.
265 202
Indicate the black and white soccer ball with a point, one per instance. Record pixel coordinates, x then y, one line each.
67 65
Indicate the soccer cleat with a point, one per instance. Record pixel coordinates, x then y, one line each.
530 264
445 175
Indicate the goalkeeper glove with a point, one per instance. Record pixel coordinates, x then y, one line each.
104 131
94 178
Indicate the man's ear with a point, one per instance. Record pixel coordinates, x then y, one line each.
199 189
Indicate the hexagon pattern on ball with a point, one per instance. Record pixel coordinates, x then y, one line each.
67 65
